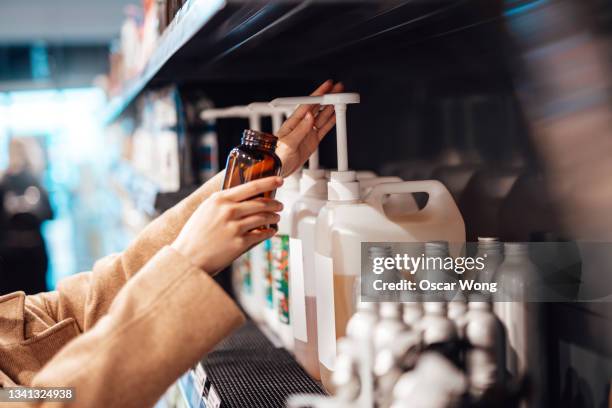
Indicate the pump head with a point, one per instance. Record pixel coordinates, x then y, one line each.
339 100
343 185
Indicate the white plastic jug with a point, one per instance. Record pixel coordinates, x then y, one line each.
313 190
279 262
345 223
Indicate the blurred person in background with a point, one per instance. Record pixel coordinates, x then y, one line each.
24 206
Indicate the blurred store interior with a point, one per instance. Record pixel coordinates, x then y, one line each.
505 102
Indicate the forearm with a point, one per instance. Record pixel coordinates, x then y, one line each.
160 324
86 297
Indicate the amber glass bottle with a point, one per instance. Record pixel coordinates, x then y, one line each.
252 160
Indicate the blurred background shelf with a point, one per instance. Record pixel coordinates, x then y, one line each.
192 16
240 41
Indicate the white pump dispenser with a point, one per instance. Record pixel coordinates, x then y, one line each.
343 183
346 221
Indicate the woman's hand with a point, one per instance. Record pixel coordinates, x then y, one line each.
302 132
224 225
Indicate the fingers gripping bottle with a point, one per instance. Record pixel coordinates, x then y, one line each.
248 270
272 255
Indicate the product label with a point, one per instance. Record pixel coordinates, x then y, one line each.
199 379
243 263
259 268
298 295
213 400
269 280
280 268
326 321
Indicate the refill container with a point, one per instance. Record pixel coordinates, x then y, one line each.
346 221
312 197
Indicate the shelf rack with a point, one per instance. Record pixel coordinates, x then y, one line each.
233 39
246 370
188 21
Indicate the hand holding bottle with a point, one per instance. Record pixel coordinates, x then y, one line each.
225 225
302 132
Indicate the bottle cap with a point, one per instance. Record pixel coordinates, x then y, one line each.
479 305
436 249
516 248
343 186
390 310
435 308
313 183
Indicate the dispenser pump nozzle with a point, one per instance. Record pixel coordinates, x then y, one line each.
339 100
277 113
233 112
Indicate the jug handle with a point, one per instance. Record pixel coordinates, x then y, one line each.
438 203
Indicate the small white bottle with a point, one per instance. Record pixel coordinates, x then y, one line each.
438 331
389 328
412 314
523 320
492 253
434 383
457 309
389 325
345 378
485 356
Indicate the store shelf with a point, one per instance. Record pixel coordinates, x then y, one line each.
237 40
246 370
190 19
144 193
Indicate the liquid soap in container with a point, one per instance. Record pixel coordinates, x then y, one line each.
347 220
313 196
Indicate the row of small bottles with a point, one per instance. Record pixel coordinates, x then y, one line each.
464 352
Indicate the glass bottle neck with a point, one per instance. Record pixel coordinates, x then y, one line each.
260 140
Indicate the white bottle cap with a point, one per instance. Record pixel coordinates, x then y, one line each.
292 182
479 305
343 186
313 183
390 310
435 308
